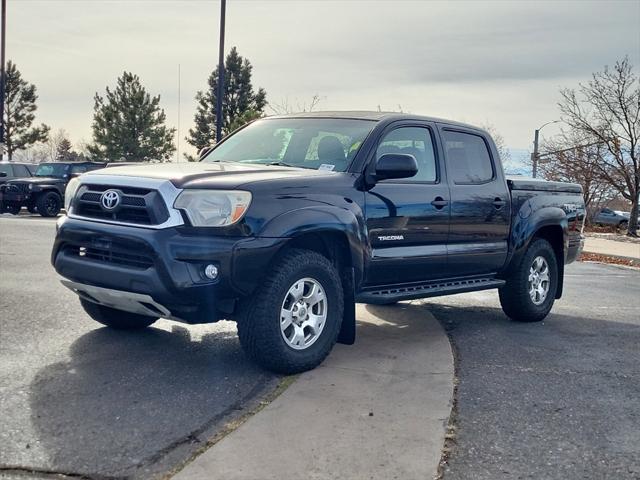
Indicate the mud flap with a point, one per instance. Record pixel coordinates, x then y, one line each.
347 335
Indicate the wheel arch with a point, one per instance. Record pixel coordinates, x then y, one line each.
555 235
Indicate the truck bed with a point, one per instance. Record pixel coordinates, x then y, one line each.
517 182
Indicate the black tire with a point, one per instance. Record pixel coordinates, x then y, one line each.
13 209
514 296
117 319
49 204
259 314
623 225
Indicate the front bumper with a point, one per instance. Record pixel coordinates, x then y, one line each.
15 198
165 265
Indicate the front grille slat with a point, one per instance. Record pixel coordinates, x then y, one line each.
138 206
115 257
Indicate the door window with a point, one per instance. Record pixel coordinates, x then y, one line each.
468 158
78 169
414 141
6 169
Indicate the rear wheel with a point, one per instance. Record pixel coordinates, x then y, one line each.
531 289
49 204
117 319
623 226
292 321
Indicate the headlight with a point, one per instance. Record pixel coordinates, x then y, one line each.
213 208
70 192
30 186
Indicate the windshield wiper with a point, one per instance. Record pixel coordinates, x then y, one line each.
281 164
284 164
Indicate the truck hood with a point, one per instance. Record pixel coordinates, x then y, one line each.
206 175
39 180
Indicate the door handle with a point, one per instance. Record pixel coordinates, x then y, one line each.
439 203
498 203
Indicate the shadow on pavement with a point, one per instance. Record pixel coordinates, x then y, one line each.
134 403
556 399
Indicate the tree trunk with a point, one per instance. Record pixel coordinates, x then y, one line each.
633 218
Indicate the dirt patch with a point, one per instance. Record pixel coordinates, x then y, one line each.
617 237
596 257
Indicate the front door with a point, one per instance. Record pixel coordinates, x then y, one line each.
480 204
408 219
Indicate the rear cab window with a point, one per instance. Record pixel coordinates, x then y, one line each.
468 159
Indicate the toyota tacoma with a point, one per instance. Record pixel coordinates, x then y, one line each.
290 221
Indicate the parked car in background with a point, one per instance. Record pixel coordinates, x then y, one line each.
44 191
11 171
618 218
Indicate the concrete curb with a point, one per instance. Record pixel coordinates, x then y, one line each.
377 409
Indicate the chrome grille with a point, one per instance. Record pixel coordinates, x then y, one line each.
140 206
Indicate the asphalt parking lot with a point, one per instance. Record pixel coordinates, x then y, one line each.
553 400
550 400
79 399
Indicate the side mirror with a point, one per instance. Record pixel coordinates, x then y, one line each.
203 152
3 174
395 165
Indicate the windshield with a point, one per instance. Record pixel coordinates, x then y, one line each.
315 143
51 170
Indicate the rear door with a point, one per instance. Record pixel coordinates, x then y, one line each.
408 219
480 203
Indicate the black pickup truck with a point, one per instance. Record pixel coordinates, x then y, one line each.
290 221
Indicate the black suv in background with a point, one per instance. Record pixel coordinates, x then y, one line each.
44 191
9 171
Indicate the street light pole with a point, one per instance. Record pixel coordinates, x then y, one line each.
2 78
220 93
535 156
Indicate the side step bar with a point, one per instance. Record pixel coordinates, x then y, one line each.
390 294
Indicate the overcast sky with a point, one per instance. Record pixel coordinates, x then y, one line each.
481 62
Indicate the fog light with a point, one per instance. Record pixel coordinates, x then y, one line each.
211 271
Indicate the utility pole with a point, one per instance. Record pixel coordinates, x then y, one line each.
535 156
220 93
2 78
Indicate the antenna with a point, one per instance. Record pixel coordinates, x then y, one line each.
178 131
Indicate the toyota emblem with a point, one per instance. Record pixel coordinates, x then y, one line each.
110 199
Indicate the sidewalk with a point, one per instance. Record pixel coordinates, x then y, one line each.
374 410
611 247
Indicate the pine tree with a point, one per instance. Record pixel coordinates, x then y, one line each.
128 123
240 103
64 151
20 112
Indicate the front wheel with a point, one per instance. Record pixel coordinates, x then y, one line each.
49 204
292 320
531 288
116 319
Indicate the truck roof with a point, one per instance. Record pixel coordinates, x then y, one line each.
373 116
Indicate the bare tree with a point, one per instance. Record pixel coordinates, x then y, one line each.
565 159
498 139
285 106
607 110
